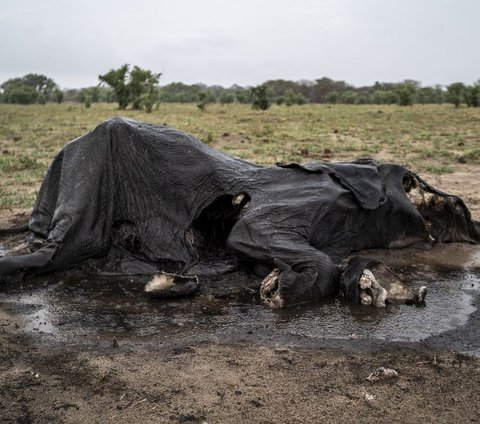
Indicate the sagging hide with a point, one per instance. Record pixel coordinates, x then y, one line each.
137 198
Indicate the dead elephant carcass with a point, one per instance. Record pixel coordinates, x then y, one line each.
141 199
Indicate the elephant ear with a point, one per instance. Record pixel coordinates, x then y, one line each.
363 181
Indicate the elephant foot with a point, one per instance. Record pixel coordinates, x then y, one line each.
371 292
165 286
387 287
269 290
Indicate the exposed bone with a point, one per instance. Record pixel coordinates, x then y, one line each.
269 290
420 197
365 298
160 282
379 295
368 283
382 374
415 196
238 199
366 279
165 285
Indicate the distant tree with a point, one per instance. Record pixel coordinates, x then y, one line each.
141 84
292 98
243 95
456 93
136 86
105 94
22 94
41 83
149 98
227 98
472 95
88 95
406 92
117 79
260 98
70 95
87 100
178 92
58 95
31 88
332 97
202 100
382 97
349 97
41 99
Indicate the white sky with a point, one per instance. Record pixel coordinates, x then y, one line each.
243 41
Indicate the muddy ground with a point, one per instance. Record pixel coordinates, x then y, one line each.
71 353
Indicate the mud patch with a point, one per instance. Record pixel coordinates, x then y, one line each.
96 311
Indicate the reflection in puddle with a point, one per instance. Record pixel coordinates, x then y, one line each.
88 310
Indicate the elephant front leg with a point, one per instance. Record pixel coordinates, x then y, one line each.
286 287
302 273
371 282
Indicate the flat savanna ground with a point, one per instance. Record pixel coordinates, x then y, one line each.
219 382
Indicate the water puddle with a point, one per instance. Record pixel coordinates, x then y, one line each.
91 310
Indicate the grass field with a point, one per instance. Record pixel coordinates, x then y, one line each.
431 138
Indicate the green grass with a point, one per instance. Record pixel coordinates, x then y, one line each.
435 139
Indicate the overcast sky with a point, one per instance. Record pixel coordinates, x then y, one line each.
244 41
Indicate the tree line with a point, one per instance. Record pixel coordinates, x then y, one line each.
139 89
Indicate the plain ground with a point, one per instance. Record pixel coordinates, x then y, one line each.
218 382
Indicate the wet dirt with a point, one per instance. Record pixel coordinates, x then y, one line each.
84 349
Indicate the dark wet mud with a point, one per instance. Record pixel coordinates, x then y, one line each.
75 310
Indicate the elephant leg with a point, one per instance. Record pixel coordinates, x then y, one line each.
303 273
371 282
12 266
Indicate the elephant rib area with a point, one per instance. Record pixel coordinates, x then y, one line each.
153 178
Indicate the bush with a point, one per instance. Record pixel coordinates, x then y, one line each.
22 94
131 86
31 88
291 98
260 99
456 93
227 98
406 94
202 100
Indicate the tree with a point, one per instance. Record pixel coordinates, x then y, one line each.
332 97
227 98
456 93
406 93
58 95
202 100
260 98
178 92
349 97
472 95
117 79
137 86
21 94
292 98
31 88
243 95
89 95
142 83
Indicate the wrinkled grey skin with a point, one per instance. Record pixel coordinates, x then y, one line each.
140 198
